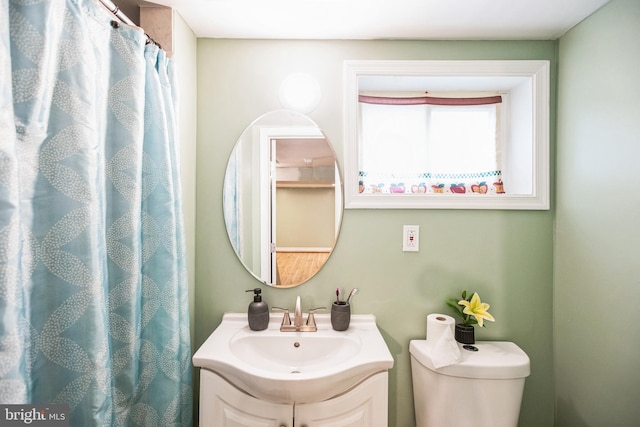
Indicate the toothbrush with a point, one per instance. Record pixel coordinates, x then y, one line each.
338 295
352 293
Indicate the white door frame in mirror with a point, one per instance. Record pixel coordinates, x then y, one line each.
480 75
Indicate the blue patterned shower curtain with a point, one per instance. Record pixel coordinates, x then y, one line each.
93 285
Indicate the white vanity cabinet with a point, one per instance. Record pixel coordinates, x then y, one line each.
363 405
320 379
221 404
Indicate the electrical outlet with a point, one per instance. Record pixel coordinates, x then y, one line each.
411 238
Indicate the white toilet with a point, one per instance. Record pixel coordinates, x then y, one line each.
483 390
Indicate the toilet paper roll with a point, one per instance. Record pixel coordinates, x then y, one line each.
439 325
441 341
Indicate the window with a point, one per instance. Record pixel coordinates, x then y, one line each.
478 139
412 148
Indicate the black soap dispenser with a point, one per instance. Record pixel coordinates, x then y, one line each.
258 312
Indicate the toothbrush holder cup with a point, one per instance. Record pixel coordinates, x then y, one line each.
340 315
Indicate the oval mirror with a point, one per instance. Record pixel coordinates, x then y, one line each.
282 198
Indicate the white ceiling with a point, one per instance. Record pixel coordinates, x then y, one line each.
381 19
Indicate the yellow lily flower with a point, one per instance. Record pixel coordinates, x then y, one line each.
477 309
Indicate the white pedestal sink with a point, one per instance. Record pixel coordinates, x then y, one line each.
294 367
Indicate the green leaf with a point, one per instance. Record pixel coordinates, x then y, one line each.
453 303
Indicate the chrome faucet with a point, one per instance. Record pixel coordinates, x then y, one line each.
298 325
297 314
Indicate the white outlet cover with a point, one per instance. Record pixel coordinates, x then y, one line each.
411 238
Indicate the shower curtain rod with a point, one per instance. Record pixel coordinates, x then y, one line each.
113 8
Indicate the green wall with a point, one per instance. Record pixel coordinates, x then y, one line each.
507 256
597 264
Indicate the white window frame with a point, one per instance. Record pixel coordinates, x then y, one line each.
525 165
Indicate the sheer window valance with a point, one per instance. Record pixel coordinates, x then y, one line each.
429 100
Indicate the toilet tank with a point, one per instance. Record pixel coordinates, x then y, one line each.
483 390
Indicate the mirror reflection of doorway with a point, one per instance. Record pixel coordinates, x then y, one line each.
303 208
305 231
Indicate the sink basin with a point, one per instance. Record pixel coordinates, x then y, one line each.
285 353
294 367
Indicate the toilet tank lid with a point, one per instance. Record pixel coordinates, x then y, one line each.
493 360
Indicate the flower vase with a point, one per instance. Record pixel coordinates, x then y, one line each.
465 334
